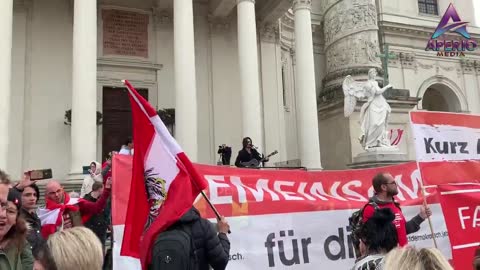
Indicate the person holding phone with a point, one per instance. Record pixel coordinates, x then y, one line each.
30 194
95 175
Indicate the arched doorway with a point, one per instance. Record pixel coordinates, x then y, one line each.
439 97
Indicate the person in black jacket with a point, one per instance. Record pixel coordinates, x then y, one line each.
30 194
97 223
211 249
247 154
225 154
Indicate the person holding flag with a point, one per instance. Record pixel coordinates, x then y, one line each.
386 189
163 189
63 212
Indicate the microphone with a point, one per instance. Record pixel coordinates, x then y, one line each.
254 147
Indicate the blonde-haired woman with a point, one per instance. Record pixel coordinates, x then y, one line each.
76 248
413 259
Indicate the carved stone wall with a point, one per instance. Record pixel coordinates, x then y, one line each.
351 40
358 50
347 18
268 32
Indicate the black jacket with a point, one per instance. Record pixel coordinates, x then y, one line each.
412 226
34 236
211 248
244 156
97 223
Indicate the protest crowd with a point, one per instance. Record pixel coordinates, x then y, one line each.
70 231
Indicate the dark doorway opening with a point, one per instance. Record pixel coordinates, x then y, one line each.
117 118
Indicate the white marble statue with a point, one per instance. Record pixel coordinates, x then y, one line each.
374 113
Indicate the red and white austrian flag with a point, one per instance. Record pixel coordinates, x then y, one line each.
50 216
447 146
164 182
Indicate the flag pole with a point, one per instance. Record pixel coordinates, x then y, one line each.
212 206
425 204
428 217
423 190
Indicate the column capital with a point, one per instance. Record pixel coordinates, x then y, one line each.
302 4
269 32
477 67
162 16
219 24
468 66
240 1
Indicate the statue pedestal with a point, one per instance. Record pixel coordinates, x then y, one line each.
378 157
339 143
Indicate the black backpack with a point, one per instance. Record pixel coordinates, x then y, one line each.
355 221
174 249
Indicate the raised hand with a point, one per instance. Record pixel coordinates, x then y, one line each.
108 183
26 181
223 226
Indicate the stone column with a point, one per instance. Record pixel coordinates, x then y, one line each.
185 80
306 100
249 80
471 85
84 85
477 77
351 41
6 24
351 48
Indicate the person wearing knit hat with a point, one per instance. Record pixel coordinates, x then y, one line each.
15 252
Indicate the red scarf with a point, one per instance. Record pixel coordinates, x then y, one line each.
48 229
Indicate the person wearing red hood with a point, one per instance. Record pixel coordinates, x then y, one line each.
62 212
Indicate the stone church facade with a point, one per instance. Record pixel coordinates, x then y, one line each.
268 69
